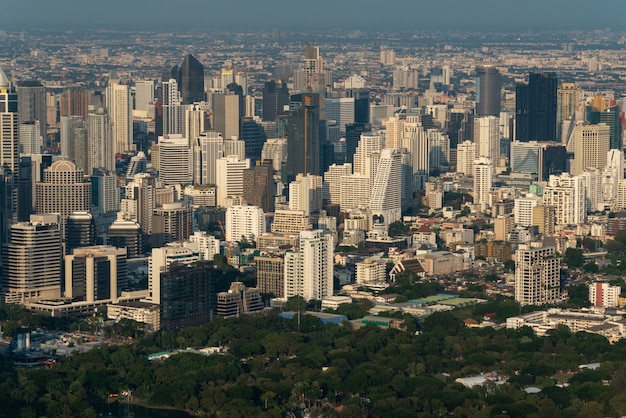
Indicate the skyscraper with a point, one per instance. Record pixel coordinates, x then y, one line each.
537 275
258 186
483 172
33 260
173 109
119 106
488 86
591 145
309 269
226 114
80 231
535 106
100 146
191 80
385 202
275 98
303 135
609 114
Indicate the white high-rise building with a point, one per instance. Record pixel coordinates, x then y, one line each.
594 196
309 269
229 173
567 194
174 112
144 95
483 171
355 192
603 294
208 245
523 209
175 160
465 156
31 141
415 140
385 201
438 149
393 133
160 262
244 222
119 105
332 182
341 110
195 118
305 194
613 174
368 144
208 148
537 275
487 137
591 145
235 146
275 149
101 152
370 271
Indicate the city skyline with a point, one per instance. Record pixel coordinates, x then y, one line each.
487 15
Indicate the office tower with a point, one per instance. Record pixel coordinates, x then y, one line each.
95 273
385 202
535 107
353 136
305 194
487 137
525 157
9 146
567 194
332 182
553 160
290 221
105 196
303 135
140 201
31 141
160 261
25 189
594 194
74 140
613 174
237 90
100 146
229 177
196 121
208 148
309 269
460 126
52 106
238 300
128 235
601 112
568 97
236 147
275 149
170 223
63 191
80 231
312 76
544 219
466 154
355 192
271 274
174 111
226 114
144 96
275 98
119 107
227 76
341 110
258 186
244 223
483 171
488 86
361 98
187 295
191 80
75 102
591 145
438 150
32 260
31 104
175 160
253 136
537 275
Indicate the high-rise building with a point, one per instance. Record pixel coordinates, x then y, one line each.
254 137
174 111
75 102
258 186
275 98
25 190
271 274
63 191
487 137
74 145
170 223
332 182
537 275
523 209
275 149
305 194
244 222
238 300
361 98
567 194
609 114
208 148
341 110
144 96
591 145
32 104
385 201
229 172
309 269
80 231
438 150
95 273
128 235
603 294
175 160
312 75
488 87
226 115
119 106
536 106
483 172
33 260
100 146
567 102
31 141
544 219
353 136
466 154
191 80
303 135
196 121
9 154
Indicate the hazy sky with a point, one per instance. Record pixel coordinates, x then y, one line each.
380 15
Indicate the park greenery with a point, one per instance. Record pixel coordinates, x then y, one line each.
273 366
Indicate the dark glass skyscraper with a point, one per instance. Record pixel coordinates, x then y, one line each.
303 135
535 106
191 80
611 117
361 105
275 98
488 86
32 104
253 135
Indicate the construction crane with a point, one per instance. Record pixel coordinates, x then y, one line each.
228 243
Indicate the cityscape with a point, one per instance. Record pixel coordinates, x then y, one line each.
333 222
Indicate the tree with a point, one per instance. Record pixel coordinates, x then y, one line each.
397 228
573 258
